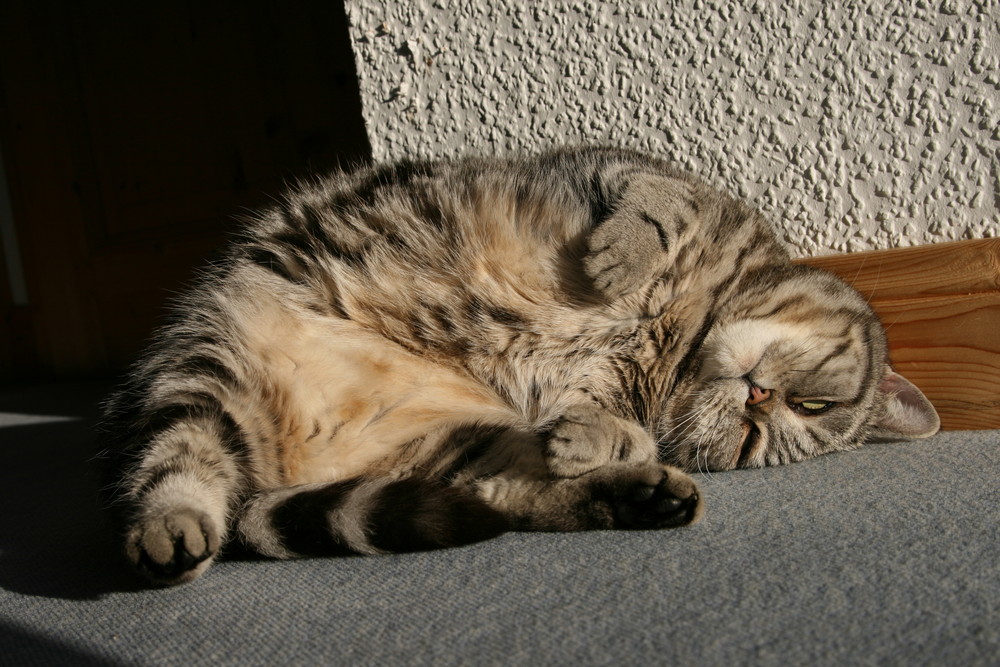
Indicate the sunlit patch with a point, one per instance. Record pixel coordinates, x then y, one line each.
734 349
21 419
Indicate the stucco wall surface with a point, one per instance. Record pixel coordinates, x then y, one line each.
853 125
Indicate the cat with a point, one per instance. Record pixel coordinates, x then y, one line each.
427 354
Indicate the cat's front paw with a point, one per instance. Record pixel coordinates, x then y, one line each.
659 496
173 548
625 252
587 436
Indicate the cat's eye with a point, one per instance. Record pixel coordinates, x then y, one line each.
811 407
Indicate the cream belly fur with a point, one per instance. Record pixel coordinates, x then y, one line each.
348 399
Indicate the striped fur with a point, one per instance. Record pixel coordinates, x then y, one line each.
423 355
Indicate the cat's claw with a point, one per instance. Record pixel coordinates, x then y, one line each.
173 548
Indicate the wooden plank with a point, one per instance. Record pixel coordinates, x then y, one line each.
960 267
949 348
940 305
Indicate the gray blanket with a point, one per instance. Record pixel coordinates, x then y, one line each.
886 555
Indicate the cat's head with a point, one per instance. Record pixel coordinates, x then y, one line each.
795 367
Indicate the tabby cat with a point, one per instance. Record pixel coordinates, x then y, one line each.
427 354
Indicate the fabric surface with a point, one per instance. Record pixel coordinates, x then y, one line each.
886 555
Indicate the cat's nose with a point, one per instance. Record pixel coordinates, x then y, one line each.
758 395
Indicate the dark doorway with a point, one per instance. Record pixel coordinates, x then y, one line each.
132 134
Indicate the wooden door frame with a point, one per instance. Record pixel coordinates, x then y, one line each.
45 195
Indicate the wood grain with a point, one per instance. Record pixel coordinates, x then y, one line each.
940 305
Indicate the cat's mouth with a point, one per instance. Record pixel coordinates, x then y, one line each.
751 440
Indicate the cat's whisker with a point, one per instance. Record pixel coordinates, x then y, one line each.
890 325
703 445
694 417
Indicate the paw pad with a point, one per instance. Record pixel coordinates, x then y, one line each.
170 548
661 505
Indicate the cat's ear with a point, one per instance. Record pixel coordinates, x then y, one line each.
908 413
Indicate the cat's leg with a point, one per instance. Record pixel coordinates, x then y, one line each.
636 242
600 471
366 515
177 498
623 495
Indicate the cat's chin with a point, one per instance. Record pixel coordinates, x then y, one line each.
725 444
715 432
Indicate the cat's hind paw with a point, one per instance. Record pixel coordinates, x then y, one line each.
173 548
666 498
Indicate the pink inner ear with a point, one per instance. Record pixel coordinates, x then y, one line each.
896 385
908 413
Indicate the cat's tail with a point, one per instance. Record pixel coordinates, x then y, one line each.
366 516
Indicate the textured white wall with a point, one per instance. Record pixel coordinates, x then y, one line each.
854 125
